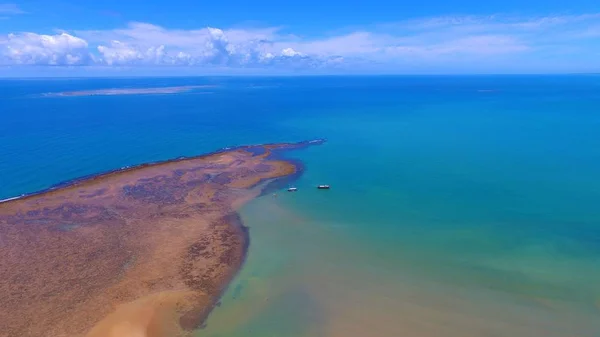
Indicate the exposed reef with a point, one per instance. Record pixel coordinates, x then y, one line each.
141 251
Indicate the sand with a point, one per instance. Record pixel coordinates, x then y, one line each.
129 91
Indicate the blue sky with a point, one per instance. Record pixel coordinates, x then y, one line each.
134 37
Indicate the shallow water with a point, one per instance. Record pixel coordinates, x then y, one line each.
307 277
453 211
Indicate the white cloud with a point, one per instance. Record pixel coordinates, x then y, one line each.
10 9
358 43
290 52
434 41
142 43
120 53
35 49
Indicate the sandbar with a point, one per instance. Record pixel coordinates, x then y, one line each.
128 91
141 251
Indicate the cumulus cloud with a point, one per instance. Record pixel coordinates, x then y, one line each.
435 40
290 52
119 53
36 49
143 43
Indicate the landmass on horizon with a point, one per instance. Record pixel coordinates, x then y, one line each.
147 249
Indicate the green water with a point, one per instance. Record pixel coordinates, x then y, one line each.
482 223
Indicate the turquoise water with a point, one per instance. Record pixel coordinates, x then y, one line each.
461 206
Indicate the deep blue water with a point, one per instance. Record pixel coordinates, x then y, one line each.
486 183
45 140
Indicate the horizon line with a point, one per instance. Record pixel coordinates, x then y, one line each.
104 76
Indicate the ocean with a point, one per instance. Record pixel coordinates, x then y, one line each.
460 205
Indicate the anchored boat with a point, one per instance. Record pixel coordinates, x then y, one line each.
292 189
323 187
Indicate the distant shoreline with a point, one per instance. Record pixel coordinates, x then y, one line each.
128 91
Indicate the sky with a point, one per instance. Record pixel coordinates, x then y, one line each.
185 37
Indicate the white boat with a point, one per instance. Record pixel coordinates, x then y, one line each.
292 189
323 187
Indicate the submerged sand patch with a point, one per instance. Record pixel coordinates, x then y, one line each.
129 91
155 315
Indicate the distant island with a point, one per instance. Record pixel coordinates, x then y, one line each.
128 91
142 251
